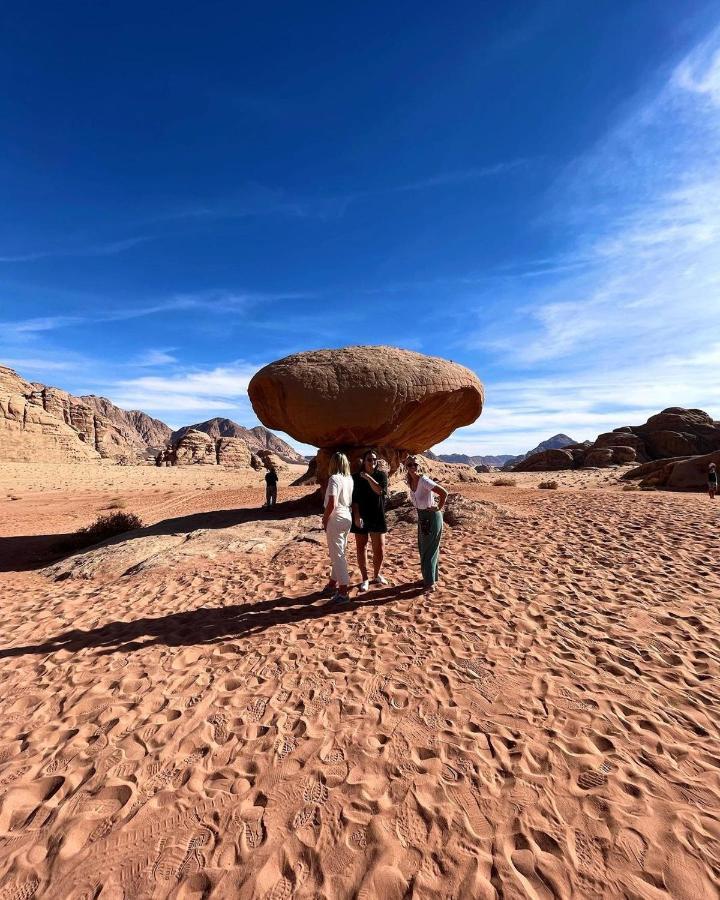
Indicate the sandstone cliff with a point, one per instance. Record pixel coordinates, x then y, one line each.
45 424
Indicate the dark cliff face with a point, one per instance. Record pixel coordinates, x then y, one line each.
257 438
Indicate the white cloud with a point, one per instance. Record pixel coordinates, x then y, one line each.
153 358
198 390
700 71
521 413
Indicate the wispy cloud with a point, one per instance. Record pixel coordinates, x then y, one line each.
644 274
462 176
153 358
112 248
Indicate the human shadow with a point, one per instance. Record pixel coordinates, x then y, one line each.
211 625
25 552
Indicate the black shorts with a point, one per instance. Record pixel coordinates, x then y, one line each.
377 526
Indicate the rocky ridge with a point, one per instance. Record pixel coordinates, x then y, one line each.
139 429
674 432
43 423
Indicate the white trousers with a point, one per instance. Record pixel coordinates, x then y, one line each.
338 527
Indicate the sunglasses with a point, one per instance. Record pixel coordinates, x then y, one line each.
412 465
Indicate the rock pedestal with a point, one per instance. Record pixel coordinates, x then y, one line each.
392 400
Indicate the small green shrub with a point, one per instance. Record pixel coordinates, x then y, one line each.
549 485
504 482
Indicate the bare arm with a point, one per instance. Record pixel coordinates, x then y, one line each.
377 488
442 494
328 510
356 515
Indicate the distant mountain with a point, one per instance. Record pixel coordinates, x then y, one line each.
257 438
556 442
506 460
140 429
472 460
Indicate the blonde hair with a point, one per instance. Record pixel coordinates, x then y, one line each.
339 464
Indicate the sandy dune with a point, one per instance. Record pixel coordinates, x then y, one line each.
183 714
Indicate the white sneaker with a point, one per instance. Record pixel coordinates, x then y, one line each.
379 580
364 586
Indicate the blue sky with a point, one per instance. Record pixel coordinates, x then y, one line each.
190 191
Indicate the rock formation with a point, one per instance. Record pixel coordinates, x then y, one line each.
233 452
256 439
56 426
393 400
137 428
690 473
198 448
30 433
674 432
195 448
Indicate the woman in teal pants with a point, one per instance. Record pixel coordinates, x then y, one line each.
428 499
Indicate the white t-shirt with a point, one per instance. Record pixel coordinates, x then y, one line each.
422 496
341 488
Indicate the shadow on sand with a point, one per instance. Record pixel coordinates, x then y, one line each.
24 552
207 626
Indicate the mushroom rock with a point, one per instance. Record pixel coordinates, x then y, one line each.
392 400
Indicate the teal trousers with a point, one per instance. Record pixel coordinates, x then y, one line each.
430 529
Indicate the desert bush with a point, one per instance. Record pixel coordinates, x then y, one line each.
504 482
116 504
631 487
101 529
549 485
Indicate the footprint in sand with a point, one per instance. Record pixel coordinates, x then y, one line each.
219 727
315 791
589 780
20 890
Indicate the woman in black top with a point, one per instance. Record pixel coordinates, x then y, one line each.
370 486
712 480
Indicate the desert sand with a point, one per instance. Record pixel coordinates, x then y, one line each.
184 715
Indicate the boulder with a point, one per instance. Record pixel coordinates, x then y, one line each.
366 396
620 439
665 444
233 453
623 455
546 461
692 474
195 448
683 474
672 434
649 468
271 460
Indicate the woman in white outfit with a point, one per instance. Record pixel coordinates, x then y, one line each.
337 520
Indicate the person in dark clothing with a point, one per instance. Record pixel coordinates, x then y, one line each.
271 482
370 486
712 480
